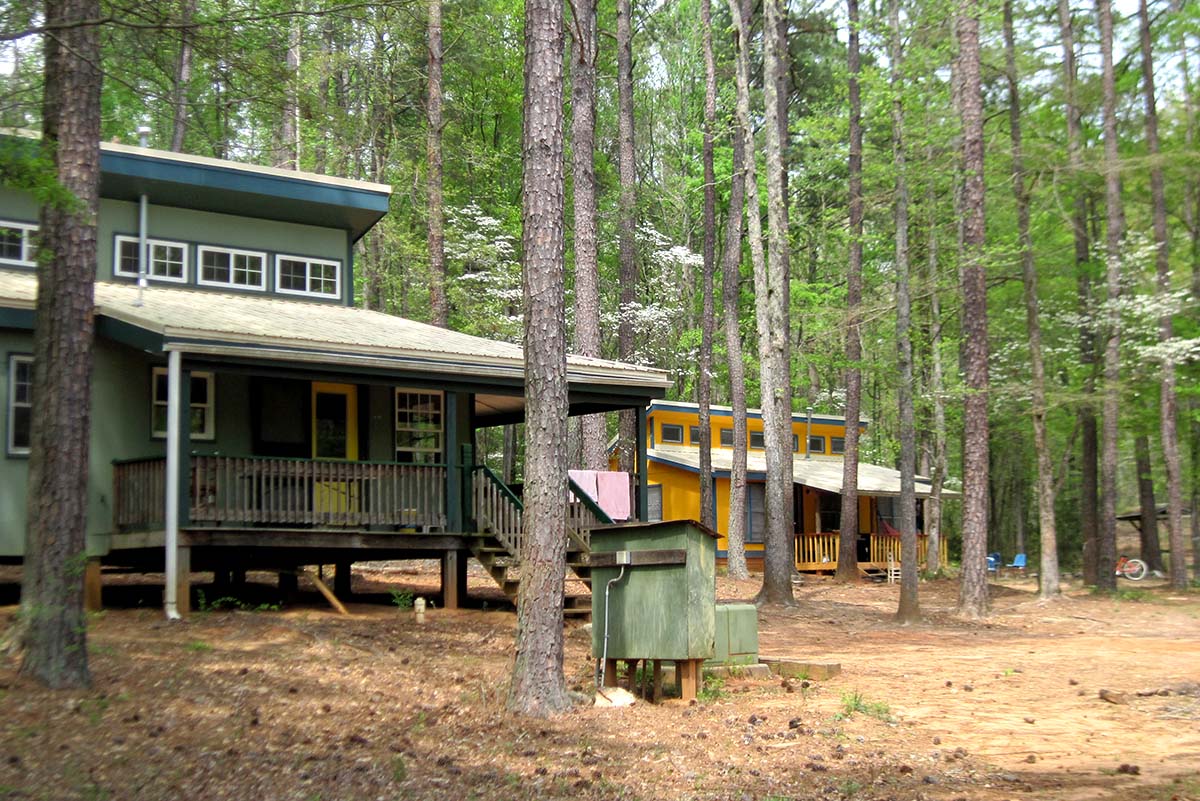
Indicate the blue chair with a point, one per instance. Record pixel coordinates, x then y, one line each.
1018 563
994 560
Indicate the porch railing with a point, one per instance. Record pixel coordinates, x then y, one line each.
820 551
289 492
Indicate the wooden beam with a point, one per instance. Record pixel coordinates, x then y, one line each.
328 593
92 585
640 558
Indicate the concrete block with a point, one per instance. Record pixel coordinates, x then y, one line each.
799 669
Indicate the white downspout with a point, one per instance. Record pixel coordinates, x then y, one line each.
143 212
171 540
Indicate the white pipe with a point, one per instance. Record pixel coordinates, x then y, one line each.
604 658
175 402
143 247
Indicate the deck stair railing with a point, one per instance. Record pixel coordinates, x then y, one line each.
499 516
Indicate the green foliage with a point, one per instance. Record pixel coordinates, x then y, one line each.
712 689
198 646
853 702
403 599
230 602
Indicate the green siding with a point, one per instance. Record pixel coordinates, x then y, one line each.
18 206
656 611
381 428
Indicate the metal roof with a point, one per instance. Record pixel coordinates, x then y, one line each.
823 473
220 324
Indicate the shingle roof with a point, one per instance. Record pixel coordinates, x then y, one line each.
197 321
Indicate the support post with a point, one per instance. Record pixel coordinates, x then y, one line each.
341 580
610 673
454 579
91 586
176 480
183 580
454 495
643 501
687 674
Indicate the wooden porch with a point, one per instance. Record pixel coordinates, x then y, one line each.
818 552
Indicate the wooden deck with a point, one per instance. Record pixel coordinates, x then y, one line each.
819 552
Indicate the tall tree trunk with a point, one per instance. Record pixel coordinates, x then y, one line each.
1107 552
1151 552
1191 216
627 222
288 154
909 610
937 383
55 629
779 548
587 270
847 568
973 593
708 506
508 460
1089 498
183 76
439 307
538 687
1048 577
731 258
1168 401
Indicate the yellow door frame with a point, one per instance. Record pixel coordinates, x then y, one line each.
350 393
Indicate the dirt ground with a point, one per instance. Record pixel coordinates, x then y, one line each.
300 703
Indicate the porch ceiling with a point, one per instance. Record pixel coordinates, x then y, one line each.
252 326
819 472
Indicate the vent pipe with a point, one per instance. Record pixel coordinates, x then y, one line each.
143 211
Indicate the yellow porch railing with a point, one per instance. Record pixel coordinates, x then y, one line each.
820 551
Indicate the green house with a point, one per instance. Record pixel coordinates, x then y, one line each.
245 414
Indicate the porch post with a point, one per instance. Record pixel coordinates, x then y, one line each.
643 501
178 563
454 500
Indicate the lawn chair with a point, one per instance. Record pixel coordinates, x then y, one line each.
893 569
1018 563
994 560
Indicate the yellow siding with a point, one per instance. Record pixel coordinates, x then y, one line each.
689 419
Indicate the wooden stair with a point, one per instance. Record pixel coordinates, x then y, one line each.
502 565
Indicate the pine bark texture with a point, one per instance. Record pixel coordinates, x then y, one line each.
288 154
54 632
1106 581
183 76
439 307
847 568
779 546
909 610
1168 400
587 270
973 599
937 384
538 688
731 258
1150 552
1089 498
708 507
627 219
1048 576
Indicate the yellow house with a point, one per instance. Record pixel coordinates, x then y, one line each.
673 467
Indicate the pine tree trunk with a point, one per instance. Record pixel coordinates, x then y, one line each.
288 154
1107 551
937 384
538 687
735 547
54 631
439 307
627 222
1191 216
973 599
183 76
708 507
587 270
508 460
1048 576
847 568
1151 552
779 547
1168 400
1089 498
910 608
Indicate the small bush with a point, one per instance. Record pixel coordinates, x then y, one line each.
854 702
403 599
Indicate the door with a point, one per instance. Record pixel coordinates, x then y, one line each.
335 437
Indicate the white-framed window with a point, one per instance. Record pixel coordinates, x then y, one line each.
166 261
694 435
757 440
20 404
795 443
17 245
726 437
420 428
672 434
816 444
239 269
297 275
837 444
202 412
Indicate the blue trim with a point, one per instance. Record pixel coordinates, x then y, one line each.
676 406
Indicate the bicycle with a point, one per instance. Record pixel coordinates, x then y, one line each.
1132 569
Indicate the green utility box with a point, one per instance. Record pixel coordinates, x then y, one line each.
737 635
665 605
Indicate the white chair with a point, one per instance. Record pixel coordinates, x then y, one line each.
893 569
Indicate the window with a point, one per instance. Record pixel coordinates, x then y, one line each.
837 444
757 440
672 433
299 276
418 426
17 245
816 444
756 512
795 443
694 435
201 411
240 269
20 404
726 437
167 261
